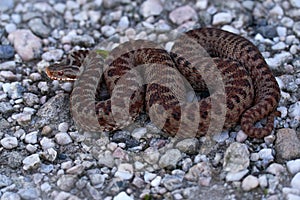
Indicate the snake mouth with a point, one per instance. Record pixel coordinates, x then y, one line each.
55 75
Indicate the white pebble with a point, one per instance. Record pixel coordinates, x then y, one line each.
279 46
263 181
149 177
63 127
125 171
63 138
151 7
9 142
156 181
249 183
293 166
222 18
241 136
31 162
47 143
31 138
122 196
236 176
295 183
275 169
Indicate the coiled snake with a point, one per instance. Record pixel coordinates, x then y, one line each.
242 87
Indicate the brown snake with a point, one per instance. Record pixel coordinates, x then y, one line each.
242 87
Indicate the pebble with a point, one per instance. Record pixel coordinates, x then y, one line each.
106 159
151 156
29 193
236 176
38 27
241 136
183 14
201 172
266 155
5 181
53 55
287 145
170 158
31 138
222 18
189 146
97 179
172 182
31 162
66 182
294 110
28 50
295 183
249 183
10 196
296 28
63 138
221 137
295 3
9 142
275 169
122 196
156 181
6 52
14 90
108 31
9 65
50 154
47 143
125 171
279 59
151 8
279 46
236 157
201 4
293 166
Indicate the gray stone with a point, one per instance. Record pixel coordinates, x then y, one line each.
249 183
27 45
9 65
63 138
10 196
9 142
39 28
236 176
31 162
295 183
66 182
222 18
53 55
295 3
293 166
6 52
31 138
170 158
29 193
106 159
125 171
5 107
276 169
236 157
14 90
5 181
189 146
296 28
6 5
201 173
151 155
122 196
183 14
172 182
108 31
151 8
287 145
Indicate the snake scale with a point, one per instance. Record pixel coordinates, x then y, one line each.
141 74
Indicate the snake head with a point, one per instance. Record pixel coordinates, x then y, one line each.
62 72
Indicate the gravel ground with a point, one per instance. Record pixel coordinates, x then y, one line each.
43 156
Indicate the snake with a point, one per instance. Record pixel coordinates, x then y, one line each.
141 75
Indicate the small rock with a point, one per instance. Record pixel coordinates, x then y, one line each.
122 196
170 158
39 28
63 138
50 154
279 59
201 173
279 46
53 55
27 45
294 110
281 31
296 28
5 181
295 3
293 166
9 142
222 18
151 8
268 31
47 143
236 176
189 146
156 181
31 138
276 169
14 90
172 182
29 193
221 137
236 157
148 177
6 5
31 99
31 162
106 159
249 183
6 52
263 181
202 4
125 171
287 145
151 156
10 196
66 182
8 65
295 183
63 127
266 155
97 179
108 30
138 133
183 14
241 136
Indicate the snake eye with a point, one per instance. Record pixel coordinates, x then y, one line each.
60 73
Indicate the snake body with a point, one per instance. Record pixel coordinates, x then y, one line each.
242 87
